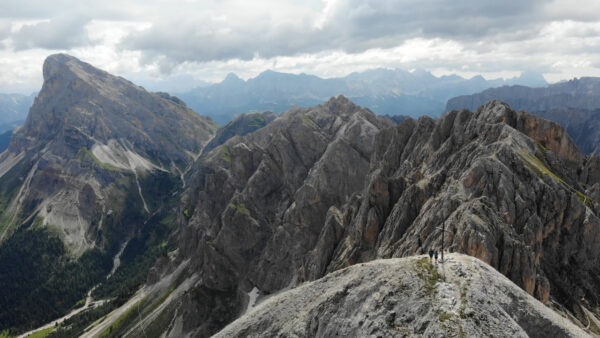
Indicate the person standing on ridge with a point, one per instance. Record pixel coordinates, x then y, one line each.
430 255
435 255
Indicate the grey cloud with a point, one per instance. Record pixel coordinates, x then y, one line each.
361 21
35 9
4 29
213 30
58 33
352 26
202 42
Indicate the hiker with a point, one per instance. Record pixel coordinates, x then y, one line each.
430 255
435 255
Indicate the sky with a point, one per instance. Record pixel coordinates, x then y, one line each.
176 45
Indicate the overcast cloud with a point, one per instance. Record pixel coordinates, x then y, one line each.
185 42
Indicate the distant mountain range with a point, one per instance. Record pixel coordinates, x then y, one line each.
574 104
5 140
384 91
14 107
13 112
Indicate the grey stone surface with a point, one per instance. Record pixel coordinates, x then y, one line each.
405 297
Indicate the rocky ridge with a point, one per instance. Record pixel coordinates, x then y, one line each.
573 104
508 187
255 207
262 214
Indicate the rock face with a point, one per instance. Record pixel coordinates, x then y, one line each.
506 187
404 298
581 124
256 205
89 136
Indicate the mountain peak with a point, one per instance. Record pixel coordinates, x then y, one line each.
532 78
60 57
341 105
232 77
62 64
99 106
340 99
494 111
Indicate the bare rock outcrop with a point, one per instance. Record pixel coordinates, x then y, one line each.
405 297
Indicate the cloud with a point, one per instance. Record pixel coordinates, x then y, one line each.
55 34
211 38
4 29
352 26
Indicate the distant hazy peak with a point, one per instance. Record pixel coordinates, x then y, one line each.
232 77
531 78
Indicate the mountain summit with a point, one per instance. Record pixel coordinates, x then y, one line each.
110 111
